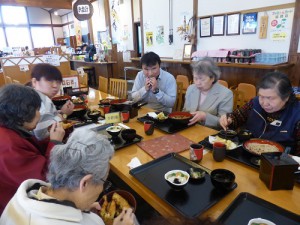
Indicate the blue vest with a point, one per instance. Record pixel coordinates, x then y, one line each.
283 133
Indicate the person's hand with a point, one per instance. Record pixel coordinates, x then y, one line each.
67 108
148 84
153 82
125 218
57 132
197 116
225 121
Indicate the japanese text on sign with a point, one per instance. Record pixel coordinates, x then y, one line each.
83 9
112 117
70 81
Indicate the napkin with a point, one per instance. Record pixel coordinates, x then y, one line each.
152 114
135 162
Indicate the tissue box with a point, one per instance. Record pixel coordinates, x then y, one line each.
277 170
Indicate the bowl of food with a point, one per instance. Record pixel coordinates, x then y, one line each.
113 203
222 179
114 131
128 134
94 115
177 179
79 111
196 174
182 118
244 135
59 101
260 221
227 134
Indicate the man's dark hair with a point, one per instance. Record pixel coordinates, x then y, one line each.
150 59
18 104
49 72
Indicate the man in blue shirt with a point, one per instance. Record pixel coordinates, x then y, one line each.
154 85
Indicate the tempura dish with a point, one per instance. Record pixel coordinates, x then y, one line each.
230 145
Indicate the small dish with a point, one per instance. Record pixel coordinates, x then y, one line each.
258 221
222 178
227 134
114 131
177 179
196 174
128 134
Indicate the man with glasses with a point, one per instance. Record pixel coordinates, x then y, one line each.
154 85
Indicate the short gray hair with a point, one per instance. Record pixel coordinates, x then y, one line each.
208 67
86 152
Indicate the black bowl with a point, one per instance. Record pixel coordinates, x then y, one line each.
79 111
196 174
244 135
128 134
59 101
222 179
114 131
229 134
182 118
177 179
94 115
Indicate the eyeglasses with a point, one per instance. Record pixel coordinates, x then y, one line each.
106 184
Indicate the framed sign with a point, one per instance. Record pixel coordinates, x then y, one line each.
205 27
249 23
233 24
187 51
83 10
70 81
218 25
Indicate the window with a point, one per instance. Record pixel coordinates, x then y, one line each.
2 39
13 15
18 37
45 33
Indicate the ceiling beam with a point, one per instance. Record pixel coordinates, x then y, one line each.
58 4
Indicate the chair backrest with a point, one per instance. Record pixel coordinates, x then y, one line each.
185 81
16 81
179 98
223 82
118 88
249 90
103 84
8 80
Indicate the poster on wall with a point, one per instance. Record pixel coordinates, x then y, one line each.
149 38
249 23
281 24
115 20
160 35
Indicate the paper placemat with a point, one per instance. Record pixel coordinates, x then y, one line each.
160 146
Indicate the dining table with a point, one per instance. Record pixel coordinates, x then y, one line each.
247 178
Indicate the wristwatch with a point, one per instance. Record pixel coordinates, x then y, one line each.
155 91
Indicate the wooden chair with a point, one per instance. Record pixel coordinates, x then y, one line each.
223 82
83 80
103 84
16 81
242 94
8 80
118 88
185 82
179 98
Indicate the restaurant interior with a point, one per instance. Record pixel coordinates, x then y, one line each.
97 46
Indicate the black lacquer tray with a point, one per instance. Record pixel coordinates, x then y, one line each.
247 206
194 199
238 154
165 126
118 142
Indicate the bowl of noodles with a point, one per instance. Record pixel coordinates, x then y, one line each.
257 146
182 118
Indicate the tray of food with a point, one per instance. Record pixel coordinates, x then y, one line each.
193 198
248 209
168 122
118 136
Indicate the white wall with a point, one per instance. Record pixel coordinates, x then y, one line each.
242 41
136 11
56 19
38 16
156 13
211 7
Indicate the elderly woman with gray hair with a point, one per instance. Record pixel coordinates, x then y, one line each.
77 173
206 99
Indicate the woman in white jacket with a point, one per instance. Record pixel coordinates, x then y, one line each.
77 173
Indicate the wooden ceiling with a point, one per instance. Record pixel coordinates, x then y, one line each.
57 4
